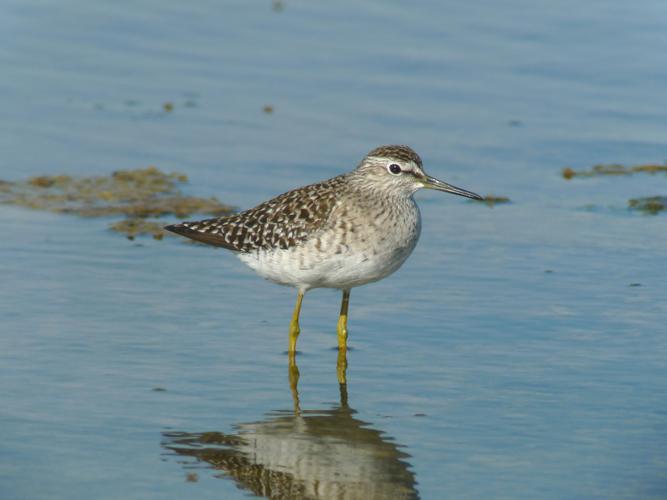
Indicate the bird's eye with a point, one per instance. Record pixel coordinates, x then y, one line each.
395 168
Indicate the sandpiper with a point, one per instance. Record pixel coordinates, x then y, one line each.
341 233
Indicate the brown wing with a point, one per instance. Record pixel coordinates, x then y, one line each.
281 222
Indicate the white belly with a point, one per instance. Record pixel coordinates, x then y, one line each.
369 253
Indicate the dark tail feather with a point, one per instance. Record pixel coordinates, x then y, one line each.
184 229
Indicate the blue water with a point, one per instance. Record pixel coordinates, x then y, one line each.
509 358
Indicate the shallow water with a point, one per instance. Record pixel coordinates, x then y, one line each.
519 353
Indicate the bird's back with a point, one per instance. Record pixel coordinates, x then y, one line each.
280 223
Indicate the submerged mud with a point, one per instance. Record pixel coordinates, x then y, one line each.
139 195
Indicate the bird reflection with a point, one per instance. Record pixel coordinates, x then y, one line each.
299 454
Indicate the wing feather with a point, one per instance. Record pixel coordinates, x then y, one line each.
281 222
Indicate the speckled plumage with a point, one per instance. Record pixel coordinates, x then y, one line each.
286 220
341 233
279 223
402 153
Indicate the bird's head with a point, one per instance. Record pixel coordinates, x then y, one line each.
399 169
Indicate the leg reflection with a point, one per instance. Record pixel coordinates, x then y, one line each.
314 453
341 367
293 375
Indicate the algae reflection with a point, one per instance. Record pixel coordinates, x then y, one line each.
303 453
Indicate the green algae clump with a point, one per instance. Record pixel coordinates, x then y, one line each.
137 194
650 205
613 169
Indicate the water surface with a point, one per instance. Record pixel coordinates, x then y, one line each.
519 353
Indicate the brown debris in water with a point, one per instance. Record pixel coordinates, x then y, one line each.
650 205
492 200
137 194
613 169
134 227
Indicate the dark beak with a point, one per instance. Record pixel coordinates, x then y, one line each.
433 183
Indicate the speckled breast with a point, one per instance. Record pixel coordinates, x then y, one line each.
361 243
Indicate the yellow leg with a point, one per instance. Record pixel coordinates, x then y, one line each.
294 324
342 321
